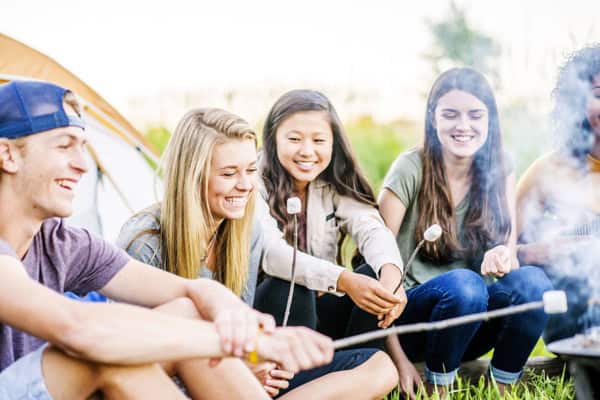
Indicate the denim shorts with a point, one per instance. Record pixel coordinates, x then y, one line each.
343 360
23 379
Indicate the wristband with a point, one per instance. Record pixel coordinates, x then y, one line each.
253 357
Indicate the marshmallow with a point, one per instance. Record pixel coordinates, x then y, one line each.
555 302
433 233
294 205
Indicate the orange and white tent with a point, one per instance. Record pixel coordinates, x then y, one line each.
120 180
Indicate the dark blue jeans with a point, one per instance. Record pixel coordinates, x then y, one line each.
460 292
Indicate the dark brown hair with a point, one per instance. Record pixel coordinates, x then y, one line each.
487 220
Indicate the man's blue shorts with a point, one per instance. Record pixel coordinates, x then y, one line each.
23 379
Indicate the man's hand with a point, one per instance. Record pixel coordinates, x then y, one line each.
238 328
367 293
409 378
295 348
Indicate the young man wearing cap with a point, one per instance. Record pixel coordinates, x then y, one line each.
112 347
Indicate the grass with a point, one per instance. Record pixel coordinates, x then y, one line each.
537 386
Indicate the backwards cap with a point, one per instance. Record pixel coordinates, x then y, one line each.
28 107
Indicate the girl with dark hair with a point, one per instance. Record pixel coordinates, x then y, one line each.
459 179
558 197
307 154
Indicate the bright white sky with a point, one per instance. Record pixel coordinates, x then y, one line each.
125 48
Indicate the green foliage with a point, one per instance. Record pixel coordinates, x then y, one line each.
377 145
536 386
457 43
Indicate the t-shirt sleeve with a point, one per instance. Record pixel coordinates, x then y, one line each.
91 262
140 239
404 176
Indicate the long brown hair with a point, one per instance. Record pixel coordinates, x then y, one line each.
343 172
487 220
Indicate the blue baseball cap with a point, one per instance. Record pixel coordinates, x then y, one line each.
28 107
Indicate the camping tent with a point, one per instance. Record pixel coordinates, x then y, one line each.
120 180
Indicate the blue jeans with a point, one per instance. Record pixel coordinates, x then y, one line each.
461 292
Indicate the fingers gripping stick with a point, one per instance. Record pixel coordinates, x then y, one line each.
294 206
554 302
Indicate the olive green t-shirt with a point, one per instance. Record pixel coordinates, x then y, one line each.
404 180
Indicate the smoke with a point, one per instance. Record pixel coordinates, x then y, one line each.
565 210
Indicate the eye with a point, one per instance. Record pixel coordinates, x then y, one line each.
229 174
294 139
449 114
252 170
320 140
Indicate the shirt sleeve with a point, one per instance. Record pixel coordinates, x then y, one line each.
138 239
311 272
374 239
91 261
403 178
7 250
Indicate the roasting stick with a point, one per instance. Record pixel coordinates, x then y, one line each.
431 234
554 302
294 206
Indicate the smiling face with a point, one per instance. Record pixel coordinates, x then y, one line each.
232 178
461 121
49 166
304 146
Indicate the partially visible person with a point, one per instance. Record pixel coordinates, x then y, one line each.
52 347
206 225
558 198
460 180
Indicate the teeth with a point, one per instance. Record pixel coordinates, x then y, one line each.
236 201
462 138
305 164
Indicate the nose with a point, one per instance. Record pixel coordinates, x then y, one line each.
306 149
463 123
245 183
78 162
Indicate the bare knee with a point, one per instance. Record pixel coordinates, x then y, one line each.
383 375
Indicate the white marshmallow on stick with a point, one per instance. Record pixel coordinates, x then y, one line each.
431 234
293 207
553 302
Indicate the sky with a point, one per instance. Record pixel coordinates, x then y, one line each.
150 50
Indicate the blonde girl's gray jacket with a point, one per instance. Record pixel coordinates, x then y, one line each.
328 215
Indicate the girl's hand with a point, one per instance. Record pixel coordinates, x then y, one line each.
272 379
368 293
409 378
497 261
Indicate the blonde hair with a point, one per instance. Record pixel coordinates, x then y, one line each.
185 218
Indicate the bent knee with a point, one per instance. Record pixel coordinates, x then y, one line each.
467 290
529 283
383 375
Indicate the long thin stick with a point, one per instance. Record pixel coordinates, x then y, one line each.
431 326
288 306
409 264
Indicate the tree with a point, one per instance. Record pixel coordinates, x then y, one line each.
456 43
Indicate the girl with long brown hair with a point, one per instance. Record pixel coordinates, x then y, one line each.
460 180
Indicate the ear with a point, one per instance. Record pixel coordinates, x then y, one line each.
8 156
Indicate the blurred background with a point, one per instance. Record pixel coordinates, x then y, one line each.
376 60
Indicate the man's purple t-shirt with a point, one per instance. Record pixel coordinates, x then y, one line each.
62 258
